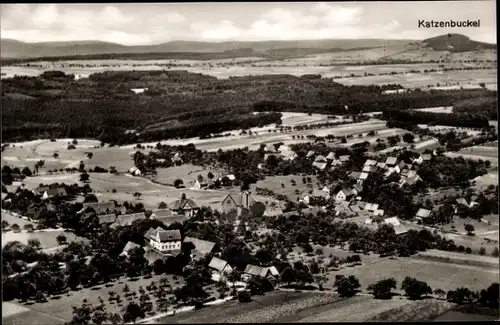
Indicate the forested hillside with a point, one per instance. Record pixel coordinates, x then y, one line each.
183 104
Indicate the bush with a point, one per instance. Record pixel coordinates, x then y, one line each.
244 296
382 288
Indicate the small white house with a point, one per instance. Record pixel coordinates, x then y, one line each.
138 90
344 195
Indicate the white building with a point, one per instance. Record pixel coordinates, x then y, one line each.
164 240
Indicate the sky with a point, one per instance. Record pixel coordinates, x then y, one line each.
145 24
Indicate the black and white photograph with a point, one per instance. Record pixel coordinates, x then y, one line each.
249 162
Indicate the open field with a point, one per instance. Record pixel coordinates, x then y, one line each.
456 316
298 67
468 155
61 308
187 172
489 179
274 184
27 154
459 258
438 275
47 238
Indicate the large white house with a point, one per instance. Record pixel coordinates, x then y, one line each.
164 240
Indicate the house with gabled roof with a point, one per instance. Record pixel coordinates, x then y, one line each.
238 202
391 161
268 272
124 220
362 177
284 148
369 169
331 155
372 207
128 247
164 240
310 154
54 192
270 148
355 175
392 221
273 211
380 164
357 189
220 268
320 165
289 155
107 219
320 158
344 194
177 159
423 214
370 162
167 217
344 158
201 247
184 206
102 208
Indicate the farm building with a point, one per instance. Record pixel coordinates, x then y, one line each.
316 193
203 184
344 195
362 177
372 207
128 247
269 272
107 219
237 202
167 217
354 175
201 247
423 214
284 148
331 156
270 148
320 158
185 207
344 158
310 154
380 164
127 219
392 221
289 155
164 240
462 201
219 268
369 169
410 180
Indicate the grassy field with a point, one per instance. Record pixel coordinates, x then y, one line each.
459 258
491 178
61 308
187 172
446 276
274 184
26 154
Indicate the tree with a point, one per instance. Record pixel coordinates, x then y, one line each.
408 138
5 224
162 205
288 275
28 227
440 293
115 318
137 195
15 227
495 252
82 314
382 288
61 239
257 209
90 155
490 297
320 281
414 288
84 177
159 266
469 228
26 172
100 315
34 243
178 183
210 175
133 312
75 142
347 286
55 155
244 296
482 250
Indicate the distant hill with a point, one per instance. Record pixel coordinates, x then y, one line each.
16 49
13 50
456 43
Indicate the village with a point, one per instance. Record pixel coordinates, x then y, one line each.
228 243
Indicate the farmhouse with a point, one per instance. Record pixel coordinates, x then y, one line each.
320 158
128 247
284 148
54 192
270 148
220 269
127 219
269 272
462 201
203 184
369 169
306 198
344 195
167 217
362 178
331 155
107 219
344 158
185 207
289 155
201 247
392 221
423 214
164 240
310 154
237 202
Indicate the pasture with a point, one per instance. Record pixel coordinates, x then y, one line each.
491 178
48 238
446 276
187 172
